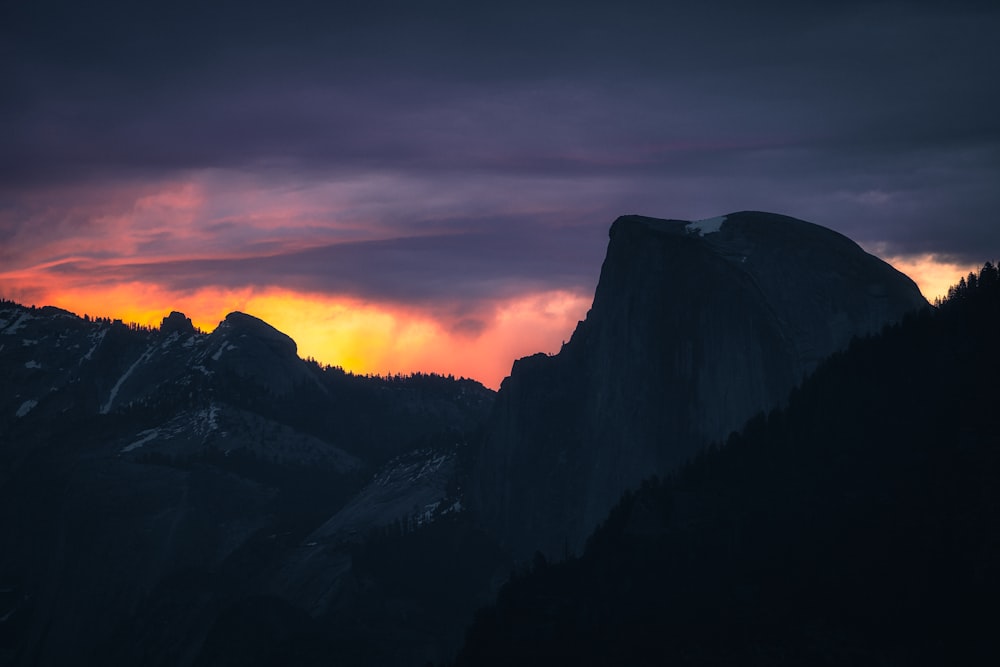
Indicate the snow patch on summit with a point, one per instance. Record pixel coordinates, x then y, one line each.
706 226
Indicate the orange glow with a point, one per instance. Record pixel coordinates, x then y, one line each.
933 275
365 338
380 338
82 265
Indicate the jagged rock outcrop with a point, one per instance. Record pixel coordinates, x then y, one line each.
177 322
695 327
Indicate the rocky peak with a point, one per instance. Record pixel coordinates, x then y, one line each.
176 322
254 349
819 285
239 325
695 327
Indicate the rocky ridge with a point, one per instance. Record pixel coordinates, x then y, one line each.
156 481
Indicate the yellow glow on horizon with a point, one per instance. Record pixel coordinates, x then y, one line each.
932 275
361 337
383 338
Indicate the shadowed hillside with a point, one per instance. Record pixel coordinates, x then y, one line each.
858 526
695 327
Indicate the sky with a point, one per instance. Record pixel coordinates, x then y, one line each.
428 186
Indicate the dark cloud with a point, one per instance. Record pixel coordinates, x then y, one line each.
877 119
454 269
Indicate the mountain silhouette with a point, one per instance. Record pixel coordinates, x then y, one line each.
695 327
170 496
858 525
159 485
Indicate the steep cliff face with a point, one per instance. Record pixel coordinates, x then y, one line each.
695 327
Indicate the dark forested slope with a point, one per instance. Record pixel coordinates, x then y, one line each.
859 525
168 495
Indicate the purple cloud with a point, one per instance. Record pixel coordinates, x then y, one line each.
452 152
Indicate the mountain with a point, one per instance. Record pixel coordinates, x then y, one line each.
858 525
175 497
162 488
695 327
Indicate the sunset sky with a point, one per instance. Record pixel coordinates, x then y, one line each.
408 186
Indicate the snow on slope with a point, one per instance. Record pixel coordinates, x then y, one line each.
25 408
706 226
413 485
145 356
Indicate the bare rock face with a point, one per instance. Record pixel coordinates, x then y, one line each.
254 350
695 327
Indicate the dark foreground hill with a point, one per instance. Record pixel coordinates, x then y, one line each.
858 526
